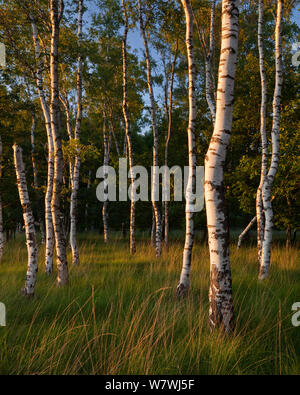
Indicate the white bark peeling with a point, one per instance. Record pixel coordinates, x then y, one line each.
266 189
184 282
220 293
31 243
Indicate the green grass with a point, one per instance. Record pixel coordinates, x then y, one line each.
119 314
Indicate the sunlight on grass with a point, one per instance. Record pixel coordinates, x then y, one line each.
119 314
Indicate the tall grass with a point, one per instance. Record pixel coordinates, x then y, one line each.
119 314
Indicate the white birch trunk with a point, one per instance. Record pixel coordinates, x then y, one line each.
1 212
245 231
127 131
31 243
35 180
220 293
106 144
208 50
48 196
263 136
155 185
169 115
266 189
184 282
208 65
57 217
77 162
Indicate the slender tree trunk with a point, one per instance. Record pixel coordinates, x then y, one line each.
128 132
35 181
155 185
48 196
264 142
1 213
169 114
106 143
153 229
245 231
57 216
76 169
31 243
208 65
184 282
87 205
208 50
266 189
220 293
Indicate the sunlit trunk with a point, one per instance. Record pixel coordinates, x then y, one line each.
245 231
155 185
169 109
127 131
220 293
46 113
35 181
57 216
263 136
31 243
184 282
77 162
266 189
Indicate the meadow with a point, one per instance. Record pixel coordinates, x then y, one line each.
119 314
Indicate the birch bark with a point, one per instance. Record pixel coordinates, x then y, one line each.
266 188
31 243
184 282
220 292
106 144
155 185
169 115
57 216
35 180
128 132
263 136
77 162
45 109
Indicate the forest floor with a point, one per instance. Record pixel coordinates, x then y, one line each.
119 314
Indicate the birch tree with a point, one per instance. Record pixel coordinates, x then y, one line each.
35 179
155 185
184 281
50 175
31 243
75 168
208 50
127 131
269 178
56 10
169 107
106 156
263 135
220 292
